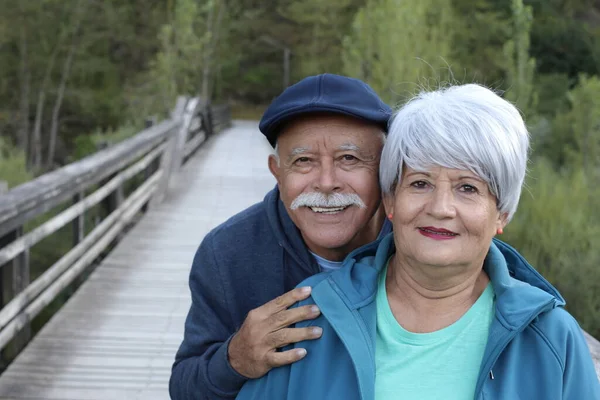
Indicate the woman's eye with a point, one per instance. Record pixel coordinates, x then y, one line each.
419 184
469 189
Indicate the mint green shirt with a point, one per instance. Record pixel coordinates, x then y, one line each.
439 365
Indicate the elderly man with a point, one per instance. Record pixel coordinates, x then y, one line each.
328 133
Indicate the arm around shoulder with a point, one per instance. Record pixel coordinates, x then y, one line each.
272 386
201 370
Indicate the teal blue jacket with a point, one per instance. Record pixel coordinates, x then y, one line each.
535 349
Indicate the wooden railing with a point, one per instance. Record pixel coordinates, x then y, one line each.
594 346
151 157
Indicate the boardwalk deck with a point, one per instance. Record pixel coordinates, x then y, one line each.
116 337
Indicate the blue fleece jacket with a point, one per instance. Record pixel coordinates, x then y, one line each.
535 349
242 264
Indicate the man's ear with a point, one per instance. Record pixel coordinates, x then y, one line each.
274 167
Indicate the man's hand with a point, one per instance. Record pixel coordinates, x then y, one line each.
253 349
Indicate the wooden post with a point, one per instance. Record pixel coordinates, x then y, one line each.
183 133
14 279
207 120
170 156
151 168
79 222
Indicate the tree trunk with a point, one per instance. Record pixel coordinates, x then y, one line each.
36 136
207 55
24 83
61 90
213 35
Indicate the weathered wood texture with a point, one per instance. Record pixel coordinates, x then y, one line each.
117 336
161 145
42 194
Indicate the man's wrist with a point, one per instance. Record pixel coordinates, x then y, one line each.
232 358
222 375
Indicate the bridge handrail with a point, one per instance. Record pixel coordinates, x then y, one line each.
167 144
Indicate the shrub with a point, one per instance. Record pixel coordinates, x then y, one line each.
557 228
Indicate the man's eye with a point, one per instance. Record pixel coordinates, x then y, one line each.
302 160
349 157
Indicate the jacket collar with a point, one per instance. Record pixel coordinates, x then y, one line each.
520 290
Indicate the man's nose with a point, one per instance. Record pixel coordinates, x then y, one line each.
441 204
327 180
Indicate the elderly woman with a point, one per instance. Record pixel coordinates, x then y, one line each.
441 309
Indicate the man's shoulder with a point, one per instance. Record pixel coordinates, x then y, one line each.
251 216
246 226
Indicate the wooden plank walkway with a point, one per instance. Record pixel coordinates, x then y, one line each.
117 336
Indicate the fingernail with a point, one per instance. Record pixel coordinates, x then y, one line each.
314 310
305 290
317 331
301 352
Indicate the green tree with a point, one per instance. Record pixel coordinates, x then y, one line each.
556 228
396 43
176 67
575 138
326 24
478 42
520 67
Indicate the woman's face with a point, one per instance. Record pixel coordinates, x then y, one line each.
443 217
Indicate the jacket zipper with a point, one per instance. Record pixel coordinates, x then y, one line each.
487 371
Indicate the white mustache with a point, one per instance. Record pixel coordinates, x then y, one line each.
334 200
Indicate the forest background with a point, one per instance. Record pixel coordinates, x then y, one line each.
76 75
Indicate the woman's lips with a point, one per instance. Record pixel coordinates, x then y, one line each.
437 233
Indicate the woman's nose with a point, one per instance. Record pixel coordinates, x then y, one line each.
441 204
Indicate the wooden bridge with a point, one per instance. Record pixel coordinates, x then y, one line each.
161 192
117 336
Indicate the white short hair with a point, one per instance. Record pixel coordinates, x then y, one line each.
465 127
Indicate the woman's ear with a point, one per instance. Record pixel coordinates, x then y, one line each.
388 203
502 220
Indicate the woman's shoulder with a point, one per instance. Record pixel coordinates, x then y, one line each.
314 280
559 329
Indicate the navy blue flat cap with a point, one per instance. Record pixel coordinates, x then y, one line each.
325 93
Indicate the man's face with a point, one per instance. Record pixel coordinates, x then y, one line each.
328 178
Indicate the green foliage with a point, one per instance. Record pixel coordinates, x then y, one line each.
12 165
562 39
478 42
556 228
395 44
519 66
86 145
575 137
176 67
552 92
326 24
